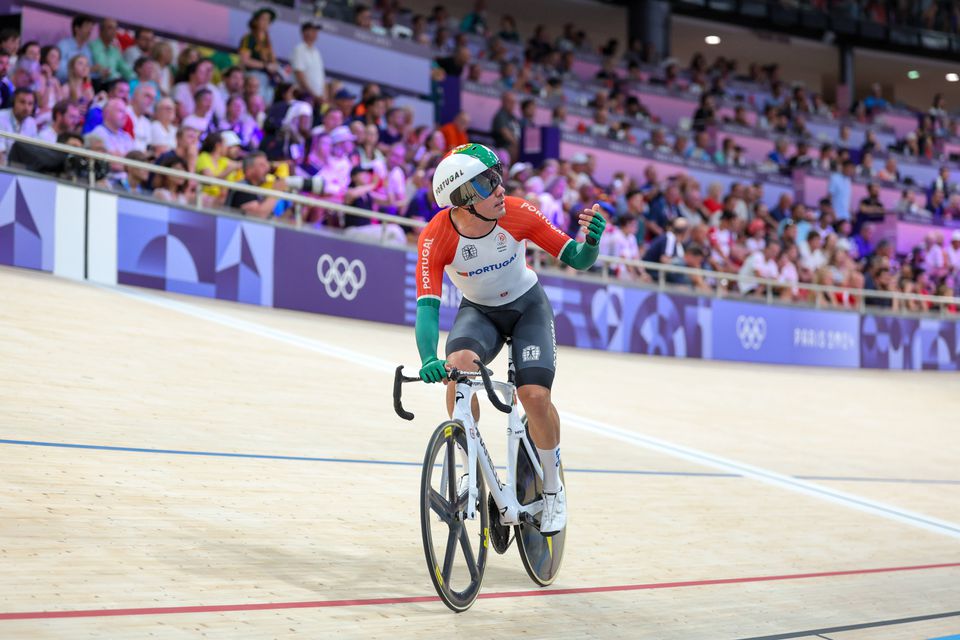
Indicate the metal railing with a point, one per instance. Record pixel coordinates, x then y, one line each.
721 280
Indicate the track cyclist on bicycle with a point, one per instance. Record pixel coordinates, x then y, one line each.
479 241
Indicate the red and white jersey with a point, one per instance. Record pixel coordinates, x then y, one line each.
492 270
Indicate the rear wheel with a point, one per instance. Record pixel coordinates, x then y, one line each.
541 555
455 548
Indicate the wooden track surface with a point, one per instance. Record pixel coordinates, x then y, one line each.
703 495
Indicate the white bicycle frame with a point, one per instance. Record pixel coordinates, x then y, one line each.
504 493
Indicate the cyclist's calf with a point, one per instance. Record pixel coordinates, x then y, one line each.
542 416
464 361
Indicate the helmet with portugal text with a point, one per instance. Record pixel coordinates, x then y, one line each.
466 175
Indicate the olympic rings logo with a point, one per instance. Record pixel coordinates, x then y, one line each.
752 331
341 277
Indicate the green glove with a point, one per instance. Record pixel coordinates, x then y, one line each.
595 229
433 370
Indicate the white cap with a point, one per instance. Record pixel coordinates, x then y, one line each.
955 236
342 134
579 158
519 168
297 109
230 138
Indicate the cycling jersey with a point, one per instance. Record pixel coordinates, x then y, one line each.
490 270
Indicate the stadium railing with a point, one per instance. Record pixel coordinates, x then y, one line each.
720 280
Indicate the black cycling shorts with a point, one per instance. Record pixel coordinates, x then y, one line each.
528 321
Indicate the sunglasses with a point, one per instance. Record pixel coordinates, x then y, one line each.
479 188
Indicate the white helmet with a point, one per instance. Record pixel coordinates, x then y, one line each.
466 175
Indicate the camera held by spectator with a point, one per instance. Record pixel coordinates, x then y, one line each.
79 167
312 184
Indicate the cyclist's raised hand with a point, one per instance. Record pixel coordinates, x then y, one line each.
593 224
433 370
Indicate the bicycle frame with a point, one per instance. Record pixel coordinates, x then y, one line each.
504 493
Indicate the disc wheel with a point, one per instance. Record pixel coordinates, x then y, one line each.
541 555
455 548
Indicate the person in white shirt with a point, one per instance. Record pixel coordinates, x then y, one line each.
935 261
163 130
811 252
117 141
307 63
141 106
65 118
761 265
17 119
953 252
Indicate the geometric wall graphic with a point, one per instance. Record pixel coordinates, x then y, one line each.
184 251
27 214
244 261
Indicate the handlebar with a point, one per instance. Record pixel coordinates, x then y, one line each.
484 374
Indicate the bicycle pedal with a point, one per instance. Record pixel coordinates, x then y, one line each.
499 533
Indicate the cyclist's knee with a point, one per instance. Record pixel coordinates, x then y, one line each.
534 397
463 360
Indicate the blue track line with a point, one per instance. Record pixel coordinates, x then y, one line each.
401 463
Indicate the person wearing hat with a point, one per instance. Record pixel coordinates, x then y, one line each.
307 63
345 101
256 49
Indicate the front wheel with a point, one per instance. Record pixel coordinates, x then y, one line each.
455 548
541 555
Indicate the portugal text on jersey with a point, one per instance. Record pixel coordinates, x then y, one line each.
491 270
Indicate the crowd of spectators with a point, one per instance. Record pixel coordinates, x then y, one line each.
248 117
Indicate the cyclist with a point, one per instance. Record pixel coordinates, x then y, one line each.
479 241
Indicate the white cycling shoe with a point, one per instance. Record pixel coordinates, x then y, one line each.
553 518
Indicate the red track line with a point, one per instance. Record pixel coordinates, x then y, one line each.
96 613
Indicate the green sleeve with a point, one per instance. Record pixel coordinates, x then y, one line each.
579 255
427 328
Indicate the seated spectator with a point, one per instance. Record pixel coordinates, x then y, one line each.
242 124
866 169
198 76
358 194
863 244
187 148
761 264
256 167
66 118
139 110
935 259
812 255
108 61
78 87
219 158
889 172
701 148
692 258
143 41
134 180
871 207
801 159
17 119
882 281
116 140
162 55
173 188
779 155
163 131
116 89
667 246
77 44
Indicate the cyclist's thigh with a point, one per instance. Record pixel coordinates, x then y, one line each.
535 341
474 331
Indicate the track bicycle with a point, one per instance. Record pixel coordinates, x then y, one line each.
459 517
